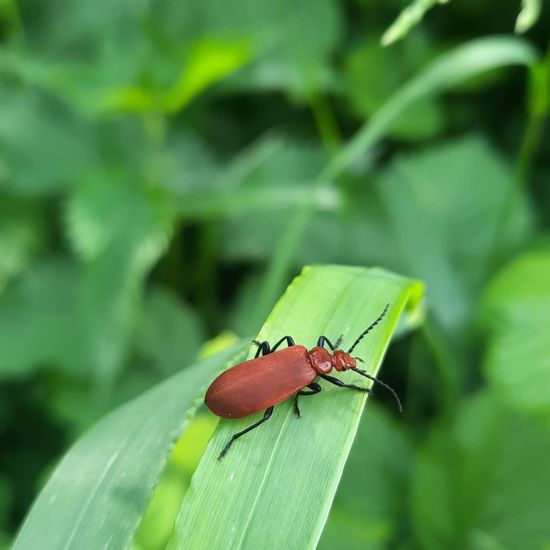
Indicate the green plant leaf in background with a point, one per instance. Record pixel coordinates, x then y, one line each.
407 19
459 186
369 502
169 334
23 234
528 15
117 247
43 148
157 524
287 47
99 492
516 310
446 71
39 321
5 497
454 194
207 63
483 482
293 42
271 177
286 474
411 15
373 74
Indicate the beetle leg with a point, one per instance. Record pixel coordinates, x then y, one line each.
296 406
315 388
263 348
339 383
266 416
324 340
289 341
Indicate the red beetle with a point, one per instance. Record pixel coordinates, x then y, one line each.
263 382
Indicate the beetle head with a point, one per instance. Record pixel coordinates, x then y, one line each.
341 360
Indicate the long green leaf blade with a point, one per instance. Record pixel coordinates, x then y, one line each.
528 15
275 487
449 69
407 19
99 492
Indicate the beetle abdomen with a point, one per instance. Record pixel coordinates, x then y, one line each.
259 383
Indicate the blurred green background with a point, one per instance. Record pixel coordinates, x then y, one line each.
157 164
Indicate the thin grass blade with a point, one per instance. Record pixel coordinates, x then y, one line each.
448 70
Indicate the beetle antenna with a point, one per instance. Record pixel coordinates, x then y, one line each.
339 341
369 328
383 384
359 359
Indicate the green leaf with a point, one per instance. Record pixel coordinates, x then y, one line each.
528 15
170 333
368 504
293 42
516 310
98 494
157 525
450 198
290 43
22 236
44 149
5 505
407 19
135 58
286 473
373 73
483 482
39 324
208 61
270 177
80 318
113 48
119 230
122 65
444 72
108 210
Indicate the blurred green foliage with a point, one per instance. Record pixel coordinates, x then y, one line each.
155 158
